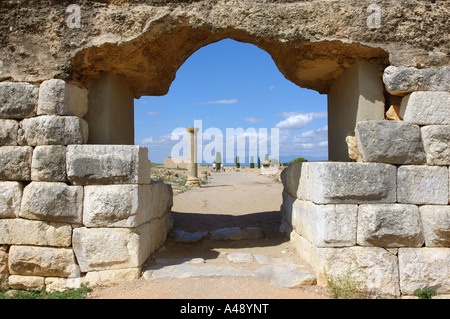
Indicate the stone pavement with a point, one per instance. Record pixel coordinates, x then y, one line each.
280 271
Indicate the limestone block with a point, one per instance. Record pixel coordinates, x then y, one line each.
19 231
286 211
389 225
375 266
26 282
49 163
424 267
392 142
158 233
18 100
107 164
436 225
107 278
42 261
10 198
436 140
117 205
53 130
402 80
15 163
111 248
426 108
8 132
353 152
3 264
347 183
420 184
51 201
290 178
393 112
57 97
161 199
325 225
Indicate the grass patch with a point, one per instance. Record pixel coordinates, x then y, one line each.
7 293
345 286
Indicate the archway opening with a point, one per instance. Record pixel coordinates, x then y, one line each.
232 90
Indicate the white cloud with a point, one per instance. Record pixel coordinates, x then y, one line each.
230 101
297 120
272 87
252 119
152 113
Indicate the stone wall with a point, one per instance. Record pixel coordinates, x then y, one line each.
387 216
71 212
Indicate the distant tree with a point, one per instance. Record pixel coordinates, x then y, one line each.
252 163
259 162
237 162
298 160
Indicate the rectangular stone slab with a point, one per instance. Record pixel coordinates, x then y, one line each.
347 183
107 164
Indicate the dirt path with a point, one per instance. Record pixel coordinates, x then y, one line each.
231 199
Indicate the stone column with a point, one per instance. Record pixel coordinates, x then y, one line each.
192 165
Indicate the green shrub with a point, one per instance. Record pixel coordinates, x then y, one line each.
425 293
345 286
298 160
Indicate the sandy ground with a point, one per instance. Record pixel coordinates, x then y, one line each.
243 199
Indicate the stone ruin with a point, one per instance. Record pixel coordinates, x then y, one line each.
76 199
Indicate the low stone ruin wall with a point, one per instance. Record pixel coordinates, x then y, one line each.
385 216
71 212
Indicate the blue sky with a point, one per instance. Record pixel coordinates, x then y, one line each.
229 84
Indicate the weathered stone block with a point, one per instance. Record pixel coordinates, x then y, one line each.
290 177
392 142
3 264
26 282
436 225
8 132
117 205
424 267
436 140
107 164
55 202
420 184
19 231
15 163
402 80
347 183
325 225
53 130
49 164
10 198
107 278
162 199
57 97
426 108
375 266
111 248
389 225
42 261
286 212
158 233
18 100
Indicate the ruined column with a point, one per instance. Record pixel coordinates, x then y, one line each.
192 165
